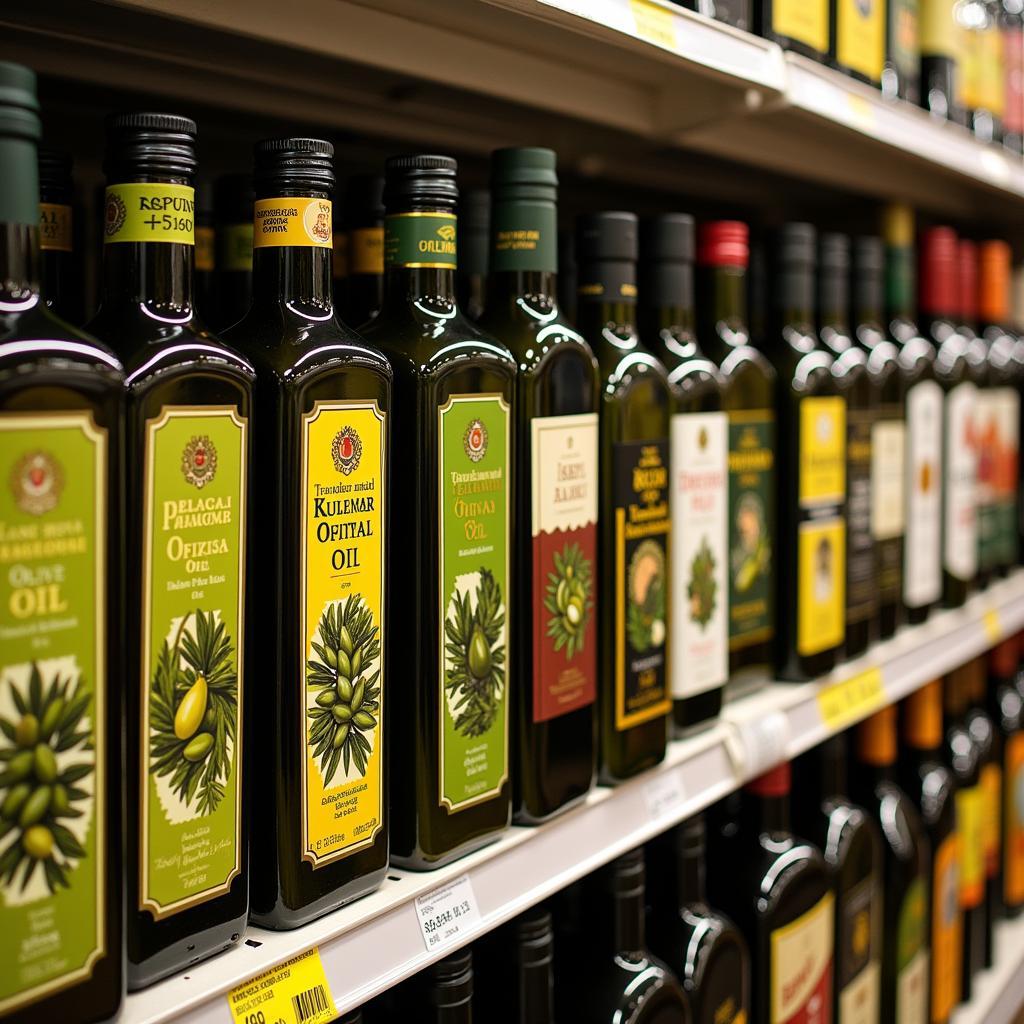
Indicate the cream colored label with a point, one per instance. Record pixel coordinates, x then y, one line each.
55 227
858 1002
912 991
888 439
801 962
294 221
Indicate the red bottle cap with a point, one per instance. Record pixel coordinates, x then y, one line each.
775 782
937 281
724 243
967 263
994 282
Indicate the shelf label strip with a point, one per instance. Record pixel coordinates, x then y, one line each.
447 912
842 704
993 627
664 793
654 24
296 990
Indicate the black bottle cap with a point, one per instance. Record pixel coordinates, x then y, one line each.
425 180
796 243
364 200
150 144
611 235
451 980
668 238
19 105
535 932
54 168
626 875
233 196
293 164
869 254
834 251
691 837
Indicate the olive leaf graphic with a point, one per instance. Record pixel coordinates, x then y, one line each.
702 586
567 598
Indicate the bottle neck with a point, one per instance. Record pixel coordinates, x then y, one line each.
795 296
868 297
19 267
832 766
767 813
156 275
523 256
607 297
899 282
723 293
505 288
419 258
691 877
536 982
629 922
834 299
298 277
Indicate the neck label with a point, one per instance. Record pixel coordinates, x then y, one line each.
55 227
149 212
294 221
420 240
524 236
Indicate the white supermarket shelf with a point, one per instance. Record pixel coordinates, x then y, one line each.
998 994
370 945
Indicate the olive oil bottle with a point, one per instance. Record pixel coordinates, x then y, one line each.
1007 707
321 527
186 482
803 26
364 221
450 718
61 273
699 439
60 666
888 432
812 470
556 445
748 398
633 548
858 39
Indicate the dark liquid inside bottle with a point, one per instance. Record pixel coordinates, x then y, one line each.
59 265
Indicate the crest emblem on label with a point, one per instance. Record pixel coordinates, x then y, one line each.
317 219
447 232
199 461
346 450
475 440
37 482
115 215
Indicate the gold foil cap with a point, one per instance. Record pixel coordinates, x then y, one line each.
898 225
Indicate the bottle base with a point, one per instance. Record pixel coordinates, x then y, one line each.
419 861
282 918
184 953
527 818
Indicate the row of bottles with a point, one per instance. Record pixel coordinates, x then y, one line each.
861 883
594 528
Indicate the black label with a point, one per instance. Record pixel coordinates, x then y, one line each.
858 929
861 593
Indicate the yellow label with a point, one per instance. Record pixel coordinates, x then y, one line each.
822 451
992 786
366 251
947 931
55 227
296 990
149 212
970 76
992 85
842 704
654 23
938 29
341 662
970 814
993 628
806 21
205 249
860 36
292 221
339 262
821 620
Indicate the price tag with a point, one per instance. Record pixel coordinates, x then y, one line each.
993 627
664 793
654 23
842 704
296 990
757 744
447 912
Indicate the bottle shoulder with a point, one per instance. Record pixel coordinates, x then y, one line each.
532 329
644 988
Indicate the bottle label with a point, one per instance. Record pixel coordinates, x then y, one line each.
888 504
420 240
987 423
859 975
642 524
992 787
801 966
55 227
971 77
1013 841
53 694
366 251
234 247
339 256
922 568
904 28
193 630
723 992
292 221
821 533
473 459
341 660
939 29
806 21
912 956
751 526
1007 475
1013 80
961 514
700 637
947 930
860 36
563 462
970 816
861 578
524 236
149 212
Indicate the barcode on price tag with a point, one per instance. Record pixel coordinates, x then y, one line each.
447 912
295 992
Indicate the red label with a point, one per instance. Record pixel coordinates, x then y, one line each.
1013 72
564 479
801 967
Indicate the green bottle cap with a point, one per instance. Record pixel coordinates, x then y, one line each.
20 130
524 165
19 106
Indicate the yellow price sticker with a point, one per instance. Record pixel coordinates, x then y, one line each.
993 628
294 990
842 704
654 23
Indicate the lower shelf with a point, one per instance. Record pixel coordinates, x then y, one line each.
998 996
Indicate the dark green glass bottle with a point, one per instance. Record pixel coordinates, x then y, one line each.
633 694
556 445
1006 706
888 433
699 455
812 468
861 387
450 719
323 409
61 891
474 251
232 220
187 447
364 223
748 398
61 271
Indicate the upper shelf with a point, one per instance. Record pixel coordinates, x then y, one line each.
629 90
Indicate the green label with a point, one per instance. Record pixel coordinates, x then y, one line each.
751 526
234 247
420 240
524 236
53 693
912 927
193 589
473 458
